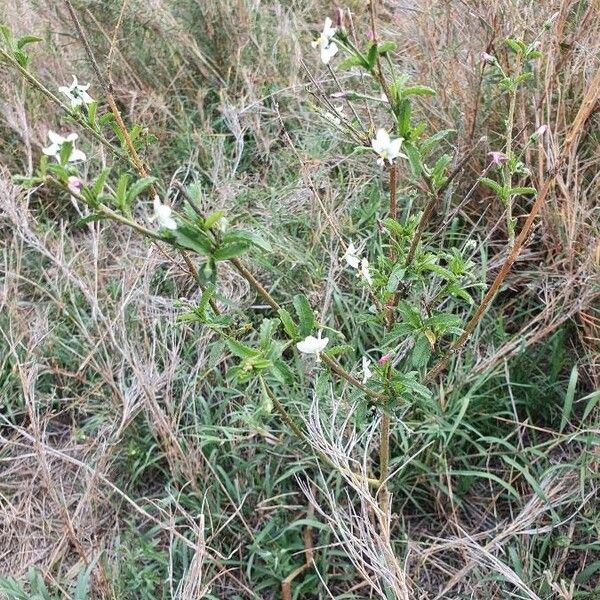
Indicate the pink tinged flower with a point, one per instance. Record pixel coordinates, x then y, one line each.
56 143
497 158
74 184
387 149
385 359
370 35
487 58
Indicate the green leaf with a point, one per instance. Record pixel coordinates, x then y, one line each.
27 39
418 90
386 47
305 314
100 182
396 276
88 219
92 108
493 185
288 323
248 237
353 61
569 396
414 158
140 186
193 239
371 57
241 350
437 174
230 250
522 191
121 192
410 315
214 218
516 46
65 153
403 118
421 351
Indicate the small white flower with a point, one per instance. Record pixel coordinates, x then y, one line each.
366 371
162 213
56 144
313 345
387 148
325 43
76 93
364 271
351 256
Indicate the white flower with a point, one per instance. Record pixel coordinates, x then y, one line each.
351 256
364 271
367 373
325 42
313 345
56 144
162 213
76 93
387 148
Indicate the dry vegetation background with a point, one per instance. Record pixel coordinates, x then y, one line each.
124 454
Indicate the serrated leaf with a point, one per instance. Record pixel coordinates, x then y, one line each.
523 191
230 250
353 61
421 352
214 218
386 47
418 90
193 239
27 39
140 186
493 185
305 314
414 158
288 323
241 350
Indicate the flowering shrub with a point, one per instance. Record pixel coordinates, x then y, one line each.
419 290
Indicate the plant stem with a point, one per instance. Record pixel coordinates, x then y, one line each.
384 434
507 173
